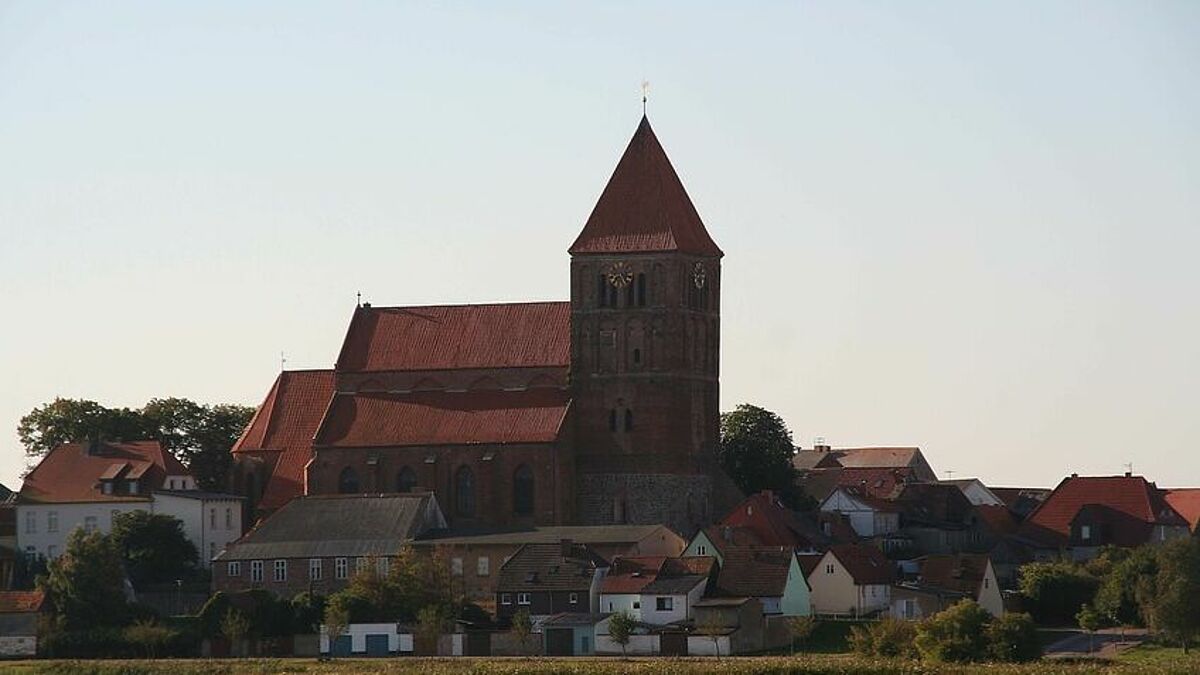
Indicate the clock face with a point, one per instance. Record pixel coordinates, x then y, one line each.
699 276
619 274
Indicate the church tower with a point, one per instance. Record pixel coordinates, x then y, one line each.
645 350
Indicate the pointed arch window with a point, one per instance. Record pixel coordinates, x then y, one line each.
612 419
641 289
406 479
523 491
603 288
628 420
464 491
348 481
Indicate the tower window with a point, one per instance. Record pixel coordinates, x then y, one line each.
406 480
464 492
637 356
630 295
603 294
523 491
628 420
612 419
612 295
641 289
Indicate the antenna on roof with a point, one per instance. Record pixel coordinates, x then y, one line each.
949 474
645 95
282 361
1128 468
358 299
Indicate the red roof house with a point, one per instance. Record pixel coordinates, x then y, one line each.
101 472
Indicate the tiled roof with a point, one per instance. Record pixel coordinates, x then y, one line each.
757 572
1021 501
443 418
934 503
657 574
584 534
338 526
644 207
769 523
866 564
962 573
446 337
1130 504
873 458
808 562
70 473
874 503
544 567
883 483
1186 503
632 574
19 602
997 518
285 423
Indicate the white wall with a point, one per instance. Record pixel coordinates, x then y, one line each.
197 517
70 516
702 645
397 642
989 594
621 602
865 520
641 645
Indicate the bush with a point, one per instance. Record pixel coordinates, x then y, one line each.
149 636
888 638
1013 638
955 635
1054 592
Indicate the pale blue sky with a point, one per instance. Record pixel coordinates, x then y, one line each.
971 227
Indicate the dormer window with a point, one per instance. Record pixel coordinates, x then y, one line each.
131 486
107 487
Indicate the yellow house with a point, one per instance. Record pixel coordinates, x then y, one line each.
849 580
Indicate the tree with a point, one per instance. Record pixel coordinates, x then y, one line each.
801 628
1117 598
337 618
954 635
756 451
307 610
154 547
1091 621
887 637
1173 608
235 627
1056 591
149 635
65 420
522 628
431 623
86 584
620 629
1013 638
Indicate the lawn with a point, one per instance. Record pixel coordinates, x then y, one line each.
1140 660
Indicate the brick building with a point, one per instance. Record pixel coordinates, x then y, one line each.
601 410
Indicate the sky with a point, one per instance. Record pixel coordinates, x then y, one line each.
968 227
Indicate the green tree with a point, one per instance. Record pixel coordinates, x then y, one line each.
1054 592
86 584
65 420
888 637
756 451
154 548
149 635
1091 621
1174 607
432 621
620 629
800 629
1117 598
307 611
522 628
1013 638
236 628
337 618
954 635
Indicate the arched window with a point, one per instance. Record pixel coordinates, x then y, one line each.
464 491
523 491
612 419
628 420
630 295
603 288
348 481
406 480
641 289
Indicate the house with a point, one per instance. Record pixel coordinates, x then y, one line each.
8 537
1084 513
20 612
547 579
975 491
939 518
943 580
1186 503
211 520
880 482
849 580
772 575
86 484
740 620
759 520
1021 501
570 634
475 557
317 543
654 589
825 457
869 516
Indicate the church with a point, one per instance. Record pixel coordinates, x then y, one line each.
599 410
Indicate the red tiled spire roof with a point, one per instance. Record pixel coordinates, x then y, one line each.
644 208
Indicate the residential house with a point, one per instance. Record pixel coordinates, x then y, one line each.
943 580
975 491
879 482
211 520
654 589
86 484
759 520
939 518
1021 501
772 575
849 580
547 579
570 634
1186 503
739 618
869 516
1085 513
8 537
316 543
825 457
475 557
20 612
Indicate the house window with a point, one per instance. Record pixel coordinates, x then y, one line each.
637 604
172 482
702 550
52 551
131 487
464 491
340 568
986 582
316 569
228 518
30 522
348 481
383 565
30 553
664 604
212 519
829 569
522 598
406 480
456 567
106 487
523 491
506 598
52 521
573 598
89 524
1085 532
280 570
910 608
234 569
256 570
483 566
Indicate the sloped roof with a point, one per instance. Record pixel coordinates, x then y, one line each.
19 602
631 574
286 422
452 337
657 574
934 503
758 571
866 564
544 567
338 526
443 418
997 518
69 473
584 534
644 207
1021 501
1128 499
769 523
1186 503
879 482
962 573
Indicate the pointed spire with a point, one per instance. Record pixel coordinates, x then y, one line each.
644 208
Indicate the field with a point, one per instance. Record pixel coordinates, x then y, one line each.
1140 660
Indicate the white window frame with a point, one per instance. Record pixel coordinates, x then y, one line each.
31 522
524 599
316 569
90 524
383 564
234 568
360 564
456 567
52 521
664 603
51 551
506 598
279 571
256 570
1085 532
483 566
573 598
341 568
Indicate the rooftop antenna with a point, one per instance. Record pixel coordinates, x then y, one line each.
282 361
645 95
358 299
949 474
1129 468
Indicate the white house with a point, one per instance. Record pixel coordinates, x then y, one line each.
211 520
869 516
849 580
654 589
942 580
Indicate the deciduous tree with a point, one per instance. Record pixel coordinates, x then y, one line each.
86 584
154 547
756 451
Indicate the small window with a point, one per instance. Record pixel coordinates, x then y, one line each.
341 569
628 420
641 289
360 564
602 295
406 480
228 518
234 568
172 482
612 419
131 487
573 598
256 570
106 487
30 522
506 598
522 598
52 551
523 491
664 604
464 491
52 521
348 481
483 566
1085 532
702 550
637 356
383 566
316 569
280 570
986 582
212 519
637 604
89 524
829 569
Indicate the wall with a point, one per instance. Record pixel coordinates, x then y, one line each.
865 520
70 516
832 593
703 645
797 599
681 502
198 522
681 606
701 545
621 602
18 645
990 597
397 642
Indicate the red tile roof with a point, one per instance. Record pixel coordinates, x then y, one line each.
756 572
997 517
644 207
443 418
69 473
1131 501
285 423
762 519
963 573
866 564
1186 503
514 335
19 602
632 574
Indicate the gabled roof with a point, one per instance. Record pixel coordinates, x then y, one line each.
998 519
1123 501
759 572
20 602
762 519
285 423
1020 500
72 473
339 526
632 574
934 504
860 495
455 337
961 573
880 482
866 564
1186 503
644 207
596 535
443 418
656 574
549 567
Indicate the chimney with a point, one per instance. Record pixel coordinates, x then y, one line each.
1074 475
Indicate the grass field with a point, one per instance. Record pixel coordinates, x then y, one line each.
1147 659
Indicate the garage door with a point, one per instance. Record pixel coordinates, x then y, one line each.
377 645
560 642
341 646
